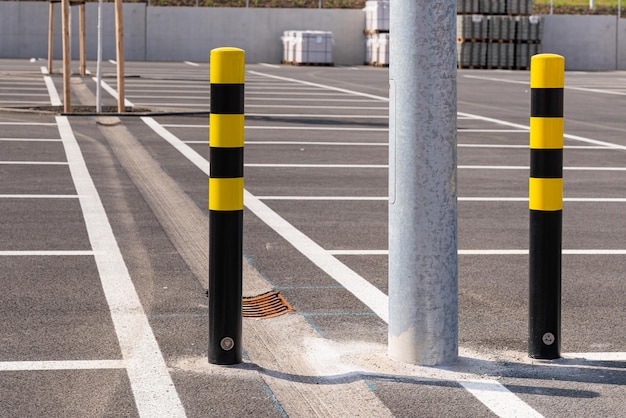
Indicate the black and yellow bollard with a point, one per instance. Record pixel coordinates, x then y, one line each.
226 140
547 80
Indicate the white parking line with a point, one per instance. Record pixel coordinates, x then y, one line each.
44 253
299 99
566 136
319 86
28 124
55 100
322 198
23 102
497 399
33 163
361 288
287 106
504 80
460 199
113 92
24 366
597 356
299 94
309 115
488 252
30 139
38 196
311 143
284 128
317 165
152 386
25 94
460 167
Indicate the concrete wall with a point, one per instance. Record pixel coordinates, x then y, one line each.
24 30
589 43
181 33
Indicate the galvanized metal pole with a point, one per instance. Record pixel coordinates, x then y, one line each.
423 272
99 61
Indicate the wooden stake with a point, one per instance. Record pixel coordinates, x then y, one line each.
50 37
119 37
67 70
83 60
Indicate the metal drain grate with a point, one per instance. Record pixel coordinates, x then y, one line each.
266 305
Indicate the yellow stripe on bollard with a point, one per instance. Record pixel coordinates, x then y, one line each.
547 71
227 66
545 194
546 133
226 194
226 131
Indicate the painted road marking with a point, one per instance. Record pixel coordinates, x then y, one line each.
460 199
597 356
498 398
460 167
33 163
25 94
325 100
152 386
361 288
38 196
460 115
566 136
31 139
585 89
319 86
28 124
27 366
112 92
55 100
307 115
357 144
44 253
23 102
487 252
367 293
378 166
287 128
317 107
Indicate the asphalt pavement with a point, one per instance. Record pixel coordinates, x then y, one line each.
105 252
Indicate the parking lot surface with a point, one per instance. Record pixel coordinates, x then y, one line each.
104 249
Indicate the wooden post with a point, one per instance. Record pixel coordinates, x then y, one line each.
83 61
50 36
67 70
119 37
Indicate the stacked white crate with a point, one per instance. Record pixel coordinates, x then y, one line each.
307 47
314 47
289 44
377 15
377 33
